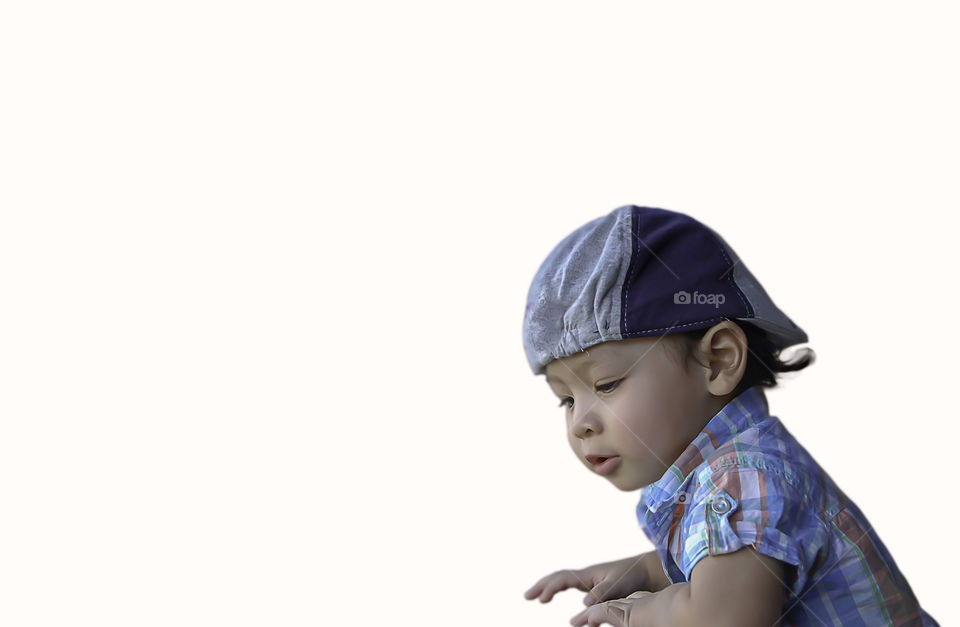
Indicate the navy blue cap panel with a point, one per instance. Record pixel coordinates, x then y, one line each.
679 272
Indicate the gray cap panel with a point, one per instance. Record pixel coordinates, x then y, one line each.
768 316
574 299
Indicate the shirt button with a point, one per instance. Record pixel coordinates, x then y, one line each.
720 505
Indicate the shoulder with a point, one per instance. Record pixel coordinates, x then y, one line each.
765 447
740 505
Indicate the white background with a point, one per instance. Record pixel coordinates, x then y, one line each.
264 265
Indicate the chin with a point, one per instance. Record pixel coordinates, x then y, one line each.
625 485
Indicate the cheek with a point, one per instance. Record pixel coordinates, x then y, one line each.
648 427
662 401
644 441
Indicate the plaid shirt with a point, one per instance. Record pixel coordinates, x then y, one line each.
746 480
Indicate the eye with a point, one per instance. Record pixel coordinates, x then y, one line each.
607 387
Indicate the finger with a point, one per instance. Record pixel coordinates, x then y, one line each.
535 590
580 619
599 592
612 612
553 587
608 612
548 586
561 581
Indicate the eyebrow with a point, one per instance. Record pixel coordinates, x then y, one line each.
588 365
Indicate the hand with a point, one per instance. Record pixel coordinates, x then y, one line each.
610 580
626 612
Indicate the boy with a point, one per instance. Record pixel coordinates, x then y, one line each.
658 342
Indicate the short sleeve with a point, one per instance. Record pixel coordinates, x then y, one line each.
740 506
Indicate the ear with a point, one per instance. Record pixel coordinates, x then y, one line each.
724 353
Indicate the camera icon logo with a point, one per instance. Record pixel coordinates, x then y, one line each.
681 497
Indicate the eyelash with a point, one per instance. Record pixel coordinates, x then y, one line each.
606 387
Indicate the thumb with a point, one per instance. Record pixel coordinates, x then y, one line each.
597 593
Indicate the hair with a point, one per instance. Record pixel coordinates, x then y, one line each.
763 360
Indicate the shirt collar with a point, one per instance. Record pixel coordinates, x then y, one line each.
738 415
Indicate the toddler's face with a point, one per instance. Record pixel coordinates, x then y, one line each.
632 399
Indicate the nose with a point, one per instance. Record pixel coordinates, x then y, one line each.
585 422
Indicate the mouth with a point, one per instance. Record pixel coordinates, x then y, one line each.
596 459
604 464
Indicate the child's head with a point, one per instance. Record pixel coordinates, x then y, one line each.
646 323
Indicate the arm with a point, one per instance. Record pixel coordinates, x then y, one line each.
739 589
609 580
751 580
740 586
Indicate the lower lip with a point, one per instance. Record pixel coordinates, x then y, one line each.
607 466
